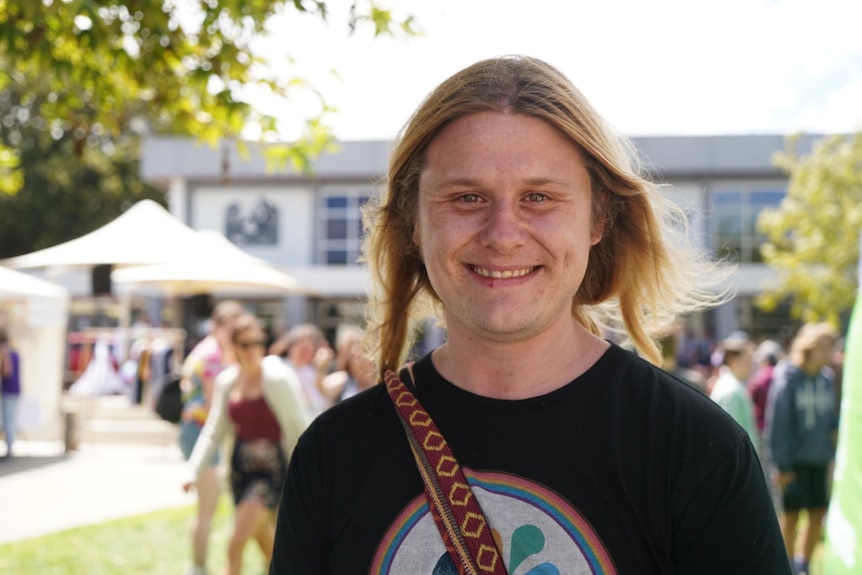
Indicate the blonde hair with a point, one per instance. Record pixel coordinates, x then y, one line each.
637 278
244 322
808 338
226 311
298 333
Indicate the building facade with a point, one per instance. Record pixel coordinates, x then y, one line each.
310 225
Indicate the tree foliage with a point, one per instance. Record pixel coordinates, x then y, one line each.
81 79
182 67
813 235
64 193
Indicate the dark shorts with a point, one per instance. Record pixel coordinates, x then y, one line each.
808 490
257 471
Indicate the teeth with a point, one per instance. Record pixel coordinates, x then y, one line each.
502 274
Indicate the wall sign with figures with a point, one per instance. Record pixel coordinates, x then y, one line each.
258 227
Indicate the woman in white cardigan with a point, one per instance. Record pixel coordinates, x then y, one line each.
259 403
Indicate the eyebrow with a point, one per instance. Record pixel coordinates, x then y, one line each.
468 182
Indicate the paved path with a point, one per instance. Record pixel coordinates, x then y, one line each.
43 490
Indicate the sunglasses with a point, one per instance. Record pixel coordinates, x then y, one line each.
249 344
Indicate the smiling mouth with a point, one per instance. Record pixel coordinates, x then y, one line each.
501 275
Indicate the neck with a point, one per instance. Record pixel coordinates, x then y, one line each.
738 373
811 368
250 370
522 369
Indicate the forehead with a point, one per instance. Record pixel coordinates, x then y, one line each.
252 329
513 141
304 341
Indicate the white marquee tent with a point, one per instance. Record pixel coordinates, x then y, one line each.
35 313
149 247
154 249
218 266
144 234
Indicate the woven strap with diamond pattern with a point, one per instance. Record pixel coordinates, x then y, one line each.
456 511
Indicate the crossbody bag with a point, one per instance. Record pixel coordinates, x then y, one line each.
465 531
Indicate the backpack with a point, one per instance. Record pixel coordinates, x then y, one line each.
169 405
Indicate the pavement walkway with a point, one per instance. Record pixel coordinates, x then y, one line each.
44 490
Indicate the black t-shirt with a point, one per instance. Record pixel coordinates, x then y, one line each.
624 470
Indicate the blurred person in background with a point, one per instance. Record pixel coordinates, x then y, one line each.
259 403
305 350
766 357
354 371
10 379
670 364
801 425
204 362
729 390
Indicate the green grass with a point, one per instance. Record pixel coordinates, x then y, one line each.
158 543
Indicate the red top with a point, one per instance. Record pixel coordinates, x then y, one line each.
254 420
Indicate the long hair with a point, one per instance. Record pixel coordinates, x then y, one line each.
641 274
808 338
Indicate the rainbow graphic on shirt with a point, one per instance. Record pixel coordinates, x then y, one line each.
539 532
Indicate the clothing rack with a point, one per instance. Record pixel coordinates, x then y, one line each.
79 344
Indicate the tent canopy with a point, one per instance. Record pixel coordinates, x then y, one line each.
20 286
217 266
144 234
152 248
177 279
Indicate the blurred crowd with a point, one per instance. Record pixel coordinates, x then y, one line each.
247 401
786 396
246 396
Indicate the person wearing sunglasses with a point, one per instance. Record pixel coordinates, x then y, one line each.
259 402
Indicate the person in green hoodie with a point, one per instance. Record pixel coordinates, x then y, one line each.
802 421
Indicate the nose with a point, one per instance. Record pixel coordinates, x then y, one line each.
503 228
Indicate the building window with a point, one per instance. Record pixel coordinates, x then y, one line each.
736 209
339 239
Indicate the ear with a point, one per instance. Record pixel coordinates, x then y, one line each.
599 217
416 238
597 232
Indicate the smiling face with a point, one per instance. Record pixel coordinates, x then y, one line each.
504 225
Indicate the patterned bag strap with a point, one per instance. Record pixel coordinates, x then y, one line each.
466 533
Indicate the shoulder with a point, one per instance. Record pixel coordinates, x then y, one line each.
638 378
643 392
227 376
274 368
277 376
356 420
786 375
725 386
205 350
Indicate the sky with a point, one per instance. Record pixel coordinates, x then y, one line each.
650 67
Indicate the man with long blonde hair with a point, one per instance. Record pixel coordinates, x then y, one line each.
513 214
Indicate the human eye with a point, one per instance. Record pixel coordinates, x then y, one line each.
537 197
469 198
